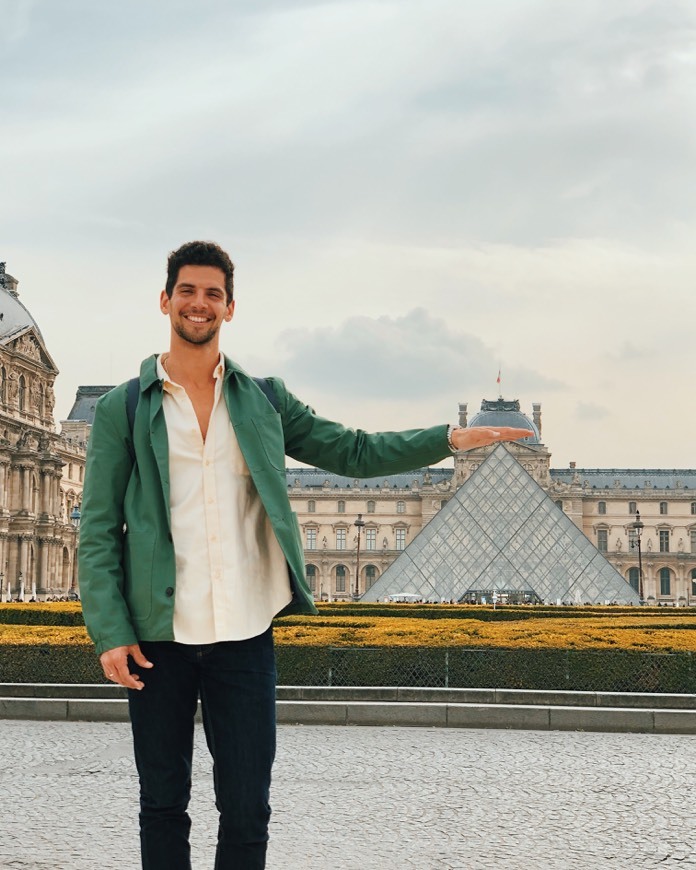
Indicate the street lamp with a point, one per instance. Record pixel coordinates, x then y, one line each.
359 524
75 517
638 527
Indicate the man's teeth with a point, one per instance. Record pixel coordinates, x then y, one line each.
197 319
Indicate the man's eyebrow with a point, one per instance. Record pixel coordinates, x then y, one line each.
188 286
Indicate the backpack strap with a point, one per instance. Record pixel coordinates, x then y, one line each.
132 396
268 392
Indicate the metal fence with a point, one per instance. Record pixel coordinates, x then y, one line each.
572 670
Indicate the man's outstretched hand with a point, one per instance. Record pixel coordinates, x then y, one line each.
115 664
467 438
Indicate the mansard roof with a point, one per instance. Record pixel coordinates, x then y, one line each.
85 403
315 478
628 478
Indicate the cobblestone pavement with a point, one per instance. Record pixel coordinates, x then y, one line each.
371 799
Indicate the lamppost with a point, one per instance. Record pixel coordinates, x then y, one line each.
75 517
638 527
359 524
2 582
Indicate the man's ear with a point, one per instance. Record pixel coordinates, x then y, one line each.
164 302
229 314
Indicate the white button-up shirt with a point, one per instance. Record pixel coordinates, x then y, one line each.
231 575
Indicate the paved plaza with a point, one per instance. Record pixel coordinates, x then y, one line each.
349 798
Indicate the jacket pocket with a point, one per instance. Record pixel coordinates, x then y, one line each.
139 552
269 431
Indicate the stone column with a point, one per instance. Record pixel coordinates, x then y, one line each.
26 488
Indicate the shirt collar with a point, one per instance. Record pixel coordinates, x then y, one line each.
168 383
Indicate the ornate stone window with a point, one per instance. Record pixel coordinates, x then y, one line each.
400 538
371 539
340 578
601 507
693 508
311 506
311 538
633 507
370 576
312 577
664 540
663 508
340 539
665 581
341 507
634 578
370 507
603 540
401 507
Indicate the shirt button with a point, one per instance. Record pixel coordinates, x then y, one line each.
169 591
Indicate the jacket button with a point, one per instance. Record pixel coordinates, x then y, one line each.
169 591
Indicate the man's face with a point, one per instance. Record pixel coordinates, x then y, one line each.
198 305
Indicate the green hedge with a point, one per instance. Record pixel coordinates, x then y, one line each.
574 670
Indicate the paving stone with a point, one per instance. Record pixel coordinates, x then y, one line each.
371 798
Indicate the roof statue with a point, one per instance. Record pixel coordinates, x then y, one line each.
501 533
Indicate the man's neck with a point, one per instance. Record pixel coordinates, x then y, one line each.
194 364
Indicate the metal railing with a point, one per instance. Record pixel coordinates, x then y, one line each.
571 670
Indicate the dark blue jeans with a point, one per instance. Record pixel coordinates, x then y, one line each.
236 683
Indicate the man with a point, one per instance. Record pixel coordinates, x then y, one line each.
189 548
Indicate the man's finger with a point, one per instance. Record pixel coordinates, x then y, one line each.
139 658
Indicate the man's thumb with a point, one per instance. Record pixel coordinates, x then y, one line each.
139 658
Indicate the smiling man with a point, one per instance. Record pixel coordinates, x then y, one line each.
189 548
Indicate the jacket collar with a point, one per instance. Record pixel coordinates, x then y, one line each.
149 376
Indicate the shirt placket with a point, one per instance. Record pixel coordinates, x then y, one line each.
212 517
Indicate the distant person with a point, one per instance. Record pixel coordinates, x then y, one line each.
189 548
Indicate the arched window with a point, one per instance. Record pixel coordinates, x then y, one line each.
663 508
633 507
341 507
370 575
602 507
370 507
401 507
311 506
693 507
22 392
312 577
665 581
634 579
340 578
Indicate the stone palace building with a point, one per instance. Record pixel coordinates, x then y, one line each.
41 471
41 474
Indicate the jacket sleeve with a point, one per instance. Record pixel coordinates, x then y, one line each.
353 452
107 473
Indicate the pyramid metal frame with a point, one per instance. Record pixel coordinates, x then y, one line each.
502 533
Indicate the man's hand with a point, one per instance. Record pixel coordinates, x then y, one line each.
115 664
467 438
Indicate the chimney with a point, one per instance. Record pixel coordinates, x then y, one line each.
572 465
536 416
462 413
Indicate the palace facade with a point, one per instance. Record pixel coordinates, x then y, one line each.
41 472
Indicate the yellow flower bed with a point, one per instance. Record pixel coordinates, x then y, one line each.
657 633
635 630
35 635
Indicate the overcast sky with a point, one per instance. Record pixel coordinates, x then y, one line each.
413 193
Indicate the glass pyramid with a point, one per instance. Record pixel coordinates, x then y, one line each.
502 533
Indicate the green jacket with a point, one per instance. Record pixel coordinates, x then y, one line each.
126 555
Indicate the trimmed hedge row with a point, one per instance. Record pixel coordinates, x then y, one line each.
71 615
594 671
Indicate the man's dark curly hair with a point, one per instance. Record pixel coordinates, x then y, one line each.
200 254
